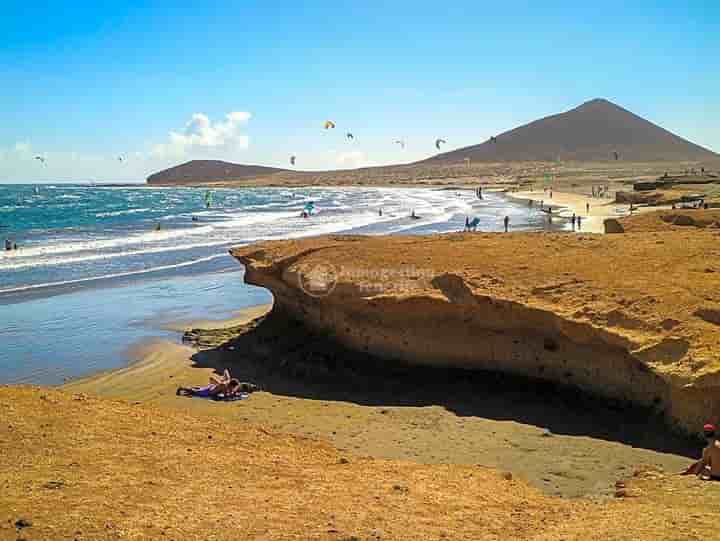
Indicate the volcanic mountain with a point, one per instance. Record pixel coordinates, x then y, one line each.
597 130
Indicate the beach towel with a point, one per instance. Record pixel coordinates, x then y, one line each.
230 398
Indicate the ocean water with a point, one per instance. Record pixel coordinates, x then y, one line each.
99 268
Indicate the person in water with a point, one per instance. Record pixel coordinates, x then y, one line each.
579 222
8 245
225 385
708 467
506 221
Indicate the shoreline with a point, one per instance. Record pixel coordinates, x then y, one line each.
167 356
141 280
571 203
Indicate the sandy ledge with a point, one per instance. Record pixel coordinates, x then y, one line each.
631 317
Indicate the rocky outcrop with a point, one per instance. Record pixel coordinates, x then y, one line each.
629 317
613 225
638 198
671 220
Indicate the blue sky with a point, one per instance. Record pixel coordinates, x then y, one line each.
83 83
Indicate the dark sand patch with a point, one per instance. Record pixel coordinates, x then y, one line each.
560 441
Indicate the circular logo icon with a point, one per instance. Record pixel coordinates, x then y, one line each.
318 280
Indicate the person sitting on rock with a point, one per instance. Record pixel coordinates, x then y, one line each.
708 467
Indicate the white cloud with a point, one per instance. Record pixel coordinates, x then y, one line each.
201 134
353 159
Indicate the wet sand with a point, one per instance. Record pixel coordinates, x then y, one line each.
564 443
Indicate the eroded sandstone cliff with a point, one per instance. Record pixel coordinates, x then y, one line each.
634 317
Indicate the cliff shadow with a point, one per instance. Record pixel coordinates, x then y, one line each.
285 358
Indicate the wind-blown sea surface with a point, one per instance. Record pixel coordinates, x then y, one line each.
99 268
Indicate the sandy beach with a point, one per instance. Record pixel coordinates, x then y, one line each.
531 432
577 203
343 445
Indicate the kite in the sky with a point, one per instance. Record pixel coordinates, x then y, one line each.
40 158
439 142
292 160
329 125
349 135
400 142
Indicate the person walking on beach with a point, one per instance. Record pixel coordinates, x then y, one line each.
579 222
573 220
506 221
587 208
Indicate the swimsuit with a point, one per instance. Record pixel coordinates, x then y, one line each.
203 391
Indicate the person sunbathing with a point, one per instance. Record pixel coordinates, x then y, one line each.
224 385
